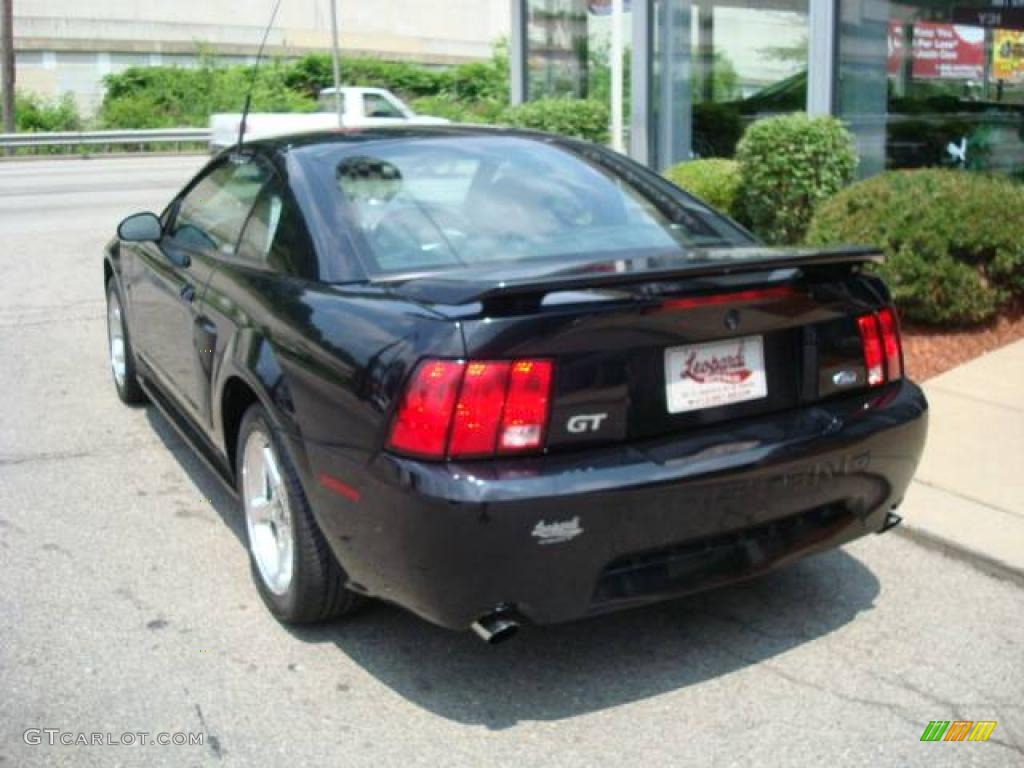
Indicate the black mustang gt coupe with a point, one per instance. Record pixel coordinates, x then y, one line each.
496 376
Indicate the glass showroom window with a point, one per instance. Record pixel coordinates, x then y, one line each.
933 83
568 48
718 65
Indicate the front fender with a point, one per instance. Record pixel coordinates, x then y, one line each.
112 263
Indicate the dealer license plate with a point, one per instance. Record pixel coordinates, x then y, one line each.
718 373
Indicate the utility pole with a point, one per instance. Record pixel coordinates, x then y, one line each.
336 55
7 63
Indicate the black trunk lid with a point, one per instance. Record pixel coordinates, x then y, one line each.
620 332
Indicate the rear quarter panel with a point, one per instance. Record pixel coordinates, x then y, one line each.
328 362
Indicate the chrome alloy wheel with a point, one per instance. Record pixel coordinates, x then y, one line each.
268 517
115 335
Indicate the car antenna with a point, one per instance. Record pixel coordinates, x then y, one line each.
252 81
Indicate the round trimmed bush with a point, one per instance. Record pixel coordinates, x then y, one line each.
954 240
582 118
716 181
789 164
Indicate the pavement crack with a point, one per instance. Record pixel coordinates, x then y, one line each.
905 685
27 458
16 309
898 682
177 449
213 742
894 709
51 321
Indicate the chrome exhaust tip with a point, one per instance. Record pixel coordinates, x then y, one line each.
496 627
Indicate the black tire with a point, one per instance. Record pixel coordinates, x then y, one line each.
128 389
316 590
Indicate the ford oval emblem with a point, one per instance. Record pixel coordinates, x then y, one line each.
844 378
732 319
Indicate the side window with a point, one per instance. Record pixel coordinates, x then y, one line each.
375 105
326 103
212 214
275 235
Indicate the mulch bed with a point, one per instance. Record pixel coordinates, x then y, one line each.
930 351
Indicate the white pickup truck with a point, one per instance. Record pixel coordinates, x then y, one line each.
361 107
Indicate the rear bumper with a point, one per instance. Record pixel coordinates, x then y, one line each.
563 536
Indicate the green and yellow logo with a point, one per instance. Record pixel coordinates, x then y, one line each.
958 730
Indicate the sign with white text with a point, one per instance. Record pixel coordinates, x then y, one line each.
940 51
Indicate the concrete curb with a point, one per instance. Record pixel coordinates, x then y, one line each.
956 551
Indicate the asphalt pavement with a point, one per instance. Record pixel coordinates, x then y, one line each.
126 604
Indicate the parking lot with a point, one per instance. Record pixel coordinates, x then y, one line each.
126 603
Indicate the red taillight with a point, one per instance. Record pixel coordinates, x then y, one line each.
880 340
473 409
425 413
891 343
872 346
478 412
526 406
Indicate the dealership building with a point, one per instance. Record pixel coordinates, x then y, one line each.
68 46
920 83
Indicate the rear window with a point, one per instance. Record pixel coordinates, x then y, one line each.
434 204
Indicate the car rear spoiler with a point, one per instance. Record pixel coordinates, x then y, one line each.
499 287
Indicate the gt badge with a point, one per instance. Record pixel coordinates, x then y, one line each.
585 422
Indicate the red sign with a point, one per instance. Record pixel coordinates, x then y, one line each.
943 51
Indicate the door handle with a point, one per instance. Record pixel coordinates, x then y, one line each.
188 293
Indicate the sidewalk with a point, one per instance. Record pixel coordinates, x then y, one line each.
967 498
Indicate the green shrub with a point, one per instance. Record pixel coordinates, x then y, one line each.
442 106
313 72
160 97
789 164
954 240
484 112
34 113
715 180
581 118
141 110
472 82
479 81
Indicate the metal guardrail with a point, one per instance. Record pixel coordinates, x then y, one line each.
105 138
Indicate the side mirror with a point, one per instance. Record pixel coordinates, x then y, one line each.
140 228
